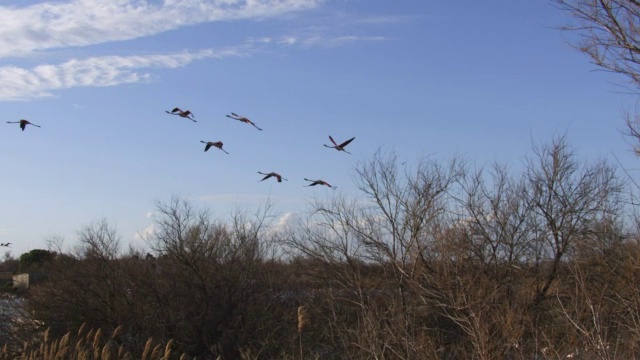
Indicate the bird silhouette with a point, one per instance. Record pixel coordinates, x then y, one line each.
319 182
6 244
185 114
268 175
339 147
23 123
243 119
217 144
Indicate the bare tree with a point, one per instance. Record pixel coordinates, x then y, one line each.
98 240
566 198
608 31
439 258
211 272
429 261
370 252
208 285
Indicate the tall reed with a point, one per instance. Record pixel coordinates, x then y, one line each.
85 346
304 320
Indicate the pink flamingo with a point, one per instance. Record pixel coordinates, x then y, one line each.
319 182
268 175
185 114
217 144
339 147
243 119
23 123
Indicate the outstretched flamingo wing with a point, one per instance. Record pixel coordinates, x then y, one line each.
313 182
219 145
333 141
347 142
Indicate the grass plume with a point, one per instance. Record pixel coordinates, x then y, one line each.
304 320
81 346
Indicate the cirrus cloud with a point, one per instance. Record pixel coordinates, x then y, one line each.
24 84
50 25
47 26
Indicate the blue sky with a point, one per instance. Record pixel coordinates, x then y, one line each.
423 78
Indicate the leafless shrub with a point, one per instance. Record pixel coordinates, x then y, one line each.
444 261
433 261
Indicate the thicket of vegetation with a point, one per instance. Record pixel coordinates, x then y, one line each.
91 344
433 260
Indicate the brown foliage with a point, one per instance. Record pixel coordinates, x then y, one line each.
437 261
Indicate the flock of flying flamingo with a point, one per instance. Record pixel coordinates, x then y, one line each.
187 114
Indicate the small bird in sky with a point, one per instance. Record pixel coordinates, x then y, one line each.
235 116
339 147
217 144
23 123
268 175
319 182
6 244
185 114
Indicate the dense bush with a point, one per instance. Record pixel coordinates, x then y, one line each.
432 261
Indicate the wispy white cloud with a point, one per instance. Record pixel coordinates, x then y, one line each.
262 40
282 40
283 223
145 233
386 19
64 24
18 83
286 220
50 25
288 40
340 40
22 84
315 39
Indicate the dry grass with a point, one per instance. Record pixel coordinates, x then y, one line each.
304 320
89 346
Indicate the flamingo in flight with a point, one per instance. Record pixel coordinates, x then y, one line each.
319 182
23 123
6 244
339 147
235 116
217 144
185 114
268 175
